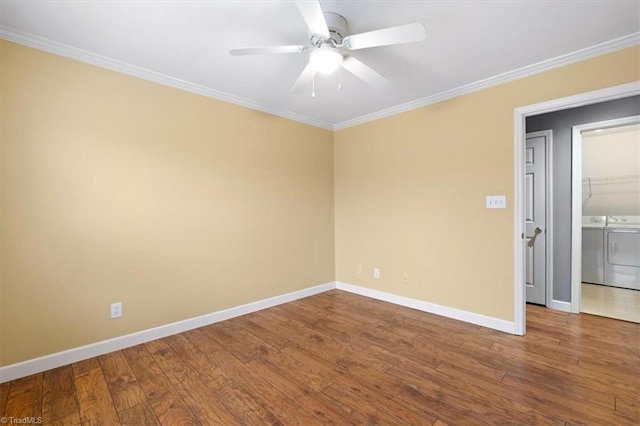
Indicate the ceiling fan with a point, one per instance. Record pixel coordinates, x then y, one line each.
327 41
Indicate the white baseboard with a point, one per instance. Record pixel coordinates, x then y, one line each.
560 305
47 362
470 317
38 365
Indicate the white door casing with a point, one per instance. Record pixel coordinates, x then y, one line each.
535 215
520 115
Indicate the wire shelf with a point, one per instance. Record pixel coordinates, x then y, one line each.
590 182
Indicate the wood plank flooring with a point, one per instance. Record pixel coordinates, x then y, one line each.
340 358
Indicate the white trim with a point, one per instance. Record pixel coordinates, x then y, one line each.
549 239
529 70
520 114
548 249
559 305
146 74
47 362
576 220
576 201
143 73
445 311
519 261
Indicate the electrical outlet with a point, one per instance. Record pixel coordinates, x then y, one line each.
116 310
405 277
376 273
359 269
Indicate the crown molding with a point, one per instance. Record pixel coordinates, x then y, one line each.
529 70
145 74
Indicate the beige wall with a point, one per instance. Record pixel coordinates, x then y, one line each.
410 190
118 189
607 156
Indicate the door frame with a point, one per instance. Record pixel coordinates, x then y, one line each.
576 201
519 127
548 193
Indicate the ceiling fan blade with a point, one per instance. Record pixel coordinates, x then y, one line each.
313 16
363 72
393 35
265 50
305 79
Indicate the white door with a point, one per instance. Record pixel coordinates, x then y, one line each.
536 218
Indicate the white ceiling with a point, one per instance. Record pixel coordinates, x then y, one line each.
185 44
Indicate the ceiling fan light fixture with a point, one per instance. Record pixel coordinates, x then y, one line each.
325 60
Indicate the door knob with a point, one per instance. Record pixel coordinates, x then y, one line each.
537 232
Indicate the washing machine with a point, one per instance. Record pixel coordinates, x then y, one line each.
622 239
593 249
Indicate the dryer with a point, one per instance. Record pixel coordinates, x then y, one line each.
622 252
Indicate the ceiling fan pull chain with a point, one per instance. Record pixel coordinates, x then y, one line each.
340 78
313 86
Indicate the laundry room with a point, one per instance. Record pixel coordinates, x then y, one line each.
611 171
595 233
611 218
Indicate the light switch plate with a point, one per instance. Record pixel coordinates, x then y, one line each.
496 201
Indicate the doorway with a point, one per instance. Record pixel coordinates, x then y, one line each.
520 115
606 218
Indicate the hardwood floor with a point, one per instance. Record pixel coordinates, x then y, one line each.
345 359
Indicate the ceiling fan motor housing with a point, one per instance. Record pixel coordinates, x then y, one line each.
337 25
